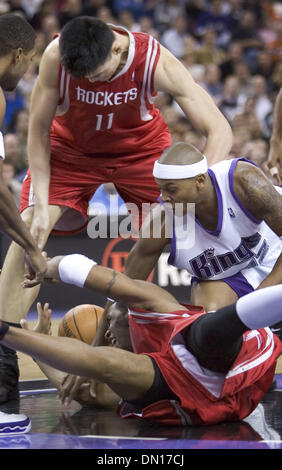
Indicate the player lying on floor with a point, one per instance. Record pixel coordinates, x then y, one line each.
188 366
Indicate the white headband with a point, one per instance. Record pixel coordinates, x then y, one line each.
179 172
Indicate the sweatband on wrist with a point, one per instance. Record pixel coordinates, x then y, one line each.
274 171
3 329
74 269
2 148
174 172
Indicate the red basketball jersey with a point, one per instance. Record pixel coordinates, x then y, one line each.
204 397
114 118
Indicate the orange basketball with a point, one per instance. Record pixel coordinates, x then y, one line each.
81 322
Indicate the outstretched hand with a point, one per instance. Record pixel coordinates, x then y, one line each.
51 273
72 384
273 165
43 324
36 263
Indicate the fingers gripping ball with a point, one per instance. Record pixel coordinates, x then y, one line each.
81 322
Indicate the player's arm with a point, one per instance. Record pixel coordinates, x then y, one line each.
43 105
11 222
79 270
275 148
172 77
263 202
153 237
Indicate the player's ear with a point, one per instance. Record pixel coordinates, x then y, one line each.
116 47
201 180
17 56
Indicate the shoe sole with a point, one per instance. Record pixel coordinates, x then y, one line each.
15 428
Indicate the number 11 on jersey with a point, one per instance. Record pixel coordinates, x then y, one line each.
104 121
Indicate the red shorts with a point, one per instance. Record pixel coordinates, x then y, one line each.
74 179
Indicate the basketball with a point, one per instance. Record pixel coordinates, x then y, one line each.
81 322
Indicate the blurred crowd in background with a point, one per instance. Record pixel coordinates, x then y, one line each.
232 48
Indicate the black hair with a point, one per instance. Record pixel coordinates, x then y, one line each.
15 33
85 44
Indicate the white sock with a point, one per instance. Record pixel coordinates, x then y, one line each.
261 308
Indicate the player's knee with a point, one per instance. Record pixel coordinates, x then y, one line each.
27 216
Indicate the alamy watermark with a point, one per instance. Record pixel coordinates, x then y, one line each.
123 221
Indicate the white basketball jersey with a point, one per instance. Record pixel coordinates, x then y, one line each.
240 243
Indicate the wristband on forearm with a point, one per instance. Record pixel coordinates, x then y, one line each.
74 269
3 329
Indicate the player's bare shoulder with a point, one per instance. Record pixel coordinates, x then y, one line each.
50 64
255 190
171 76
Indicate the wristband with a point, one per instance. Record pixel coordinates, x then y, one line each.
274 171
2 148
3 329
74 269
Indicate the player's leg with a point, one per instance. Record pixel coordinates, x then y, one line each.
216 338
137 187
15 301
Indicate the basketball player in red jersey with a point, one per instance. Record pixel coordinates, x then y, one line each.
174 364
92 121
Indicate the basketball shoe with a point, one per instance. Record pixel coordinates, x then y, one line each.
13 424
9 375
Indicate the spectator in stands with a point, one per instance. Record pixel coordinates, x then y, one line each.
8 175
256 151
214 18
70 9
26 84
231 102
14 102
265 68
275 47
19 126
263 105
174 37
50 26
126 19
166 11
209 52
243 73
246 35
104 13
234 55
13 153
91 7
147 26
213 83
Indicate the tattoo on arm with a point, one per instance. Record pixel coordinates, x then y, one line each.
260 197
111 283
